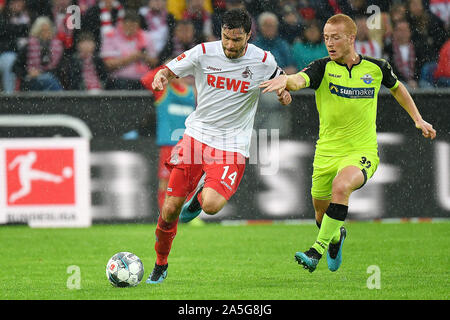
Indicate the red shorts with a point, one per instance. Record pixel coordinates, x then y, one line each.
164 154
190 159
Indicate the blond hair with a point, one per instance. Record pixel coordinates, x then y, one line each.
37 26
349 24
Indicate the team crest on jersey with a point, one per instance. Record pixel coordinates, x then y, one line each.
367 78
247 73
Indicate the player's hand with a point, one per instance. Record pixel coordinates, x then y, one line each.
159 82
285 98
277 84
427 129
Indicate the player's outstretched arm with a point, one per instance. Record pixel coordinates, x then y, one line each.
403 97
162 78
290 82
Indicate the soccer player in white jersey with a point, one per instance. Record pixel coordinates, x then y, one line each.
208 163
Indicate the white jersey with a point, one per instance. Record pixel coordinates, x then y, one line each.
228 93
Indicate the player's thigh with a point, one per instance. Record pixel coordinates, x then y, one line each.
325 169
356 169
184 173
212 201
346 181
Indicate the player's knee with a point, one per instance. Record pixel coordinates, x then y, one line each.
341 188
171 209
211 207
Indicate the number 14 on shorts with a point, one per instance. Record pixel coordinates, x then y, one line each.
232 176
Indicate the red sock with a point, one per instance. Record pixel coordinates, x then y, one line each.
161 197
165 233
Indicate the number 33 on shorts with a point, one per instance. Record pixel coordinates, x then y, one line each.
365 163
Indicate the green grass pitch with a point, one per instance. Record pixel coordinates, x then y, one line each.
213 262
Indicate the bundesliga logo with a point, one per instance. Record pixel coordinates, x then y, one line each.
40 177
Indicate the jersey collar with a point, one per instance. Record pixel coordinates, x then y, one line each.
345 65
350 69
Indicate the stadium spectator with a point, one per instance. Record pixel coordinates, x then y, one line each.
38 62
14 28
402 56
19 16
256 7
60 18
380 26
357 8
326 8
59 11
311 47
128 54
173 105
101 19
85 69
177 7
441 8
442 73
428 36
201 19
268 39
229 5
158 21
218 6
85 5
398 13
39 8
363 43
182 40
291 26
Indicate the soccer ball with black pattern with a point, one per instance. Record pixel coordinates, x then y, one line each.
124 269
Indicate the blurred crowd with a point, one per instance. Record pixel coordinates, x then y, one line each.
50 45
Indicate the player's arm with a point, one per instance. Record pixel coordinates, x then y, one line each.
403 97
311 77
181 66
290 82
162 78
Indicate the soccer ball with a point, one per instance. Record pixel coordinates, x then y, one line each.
124 269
